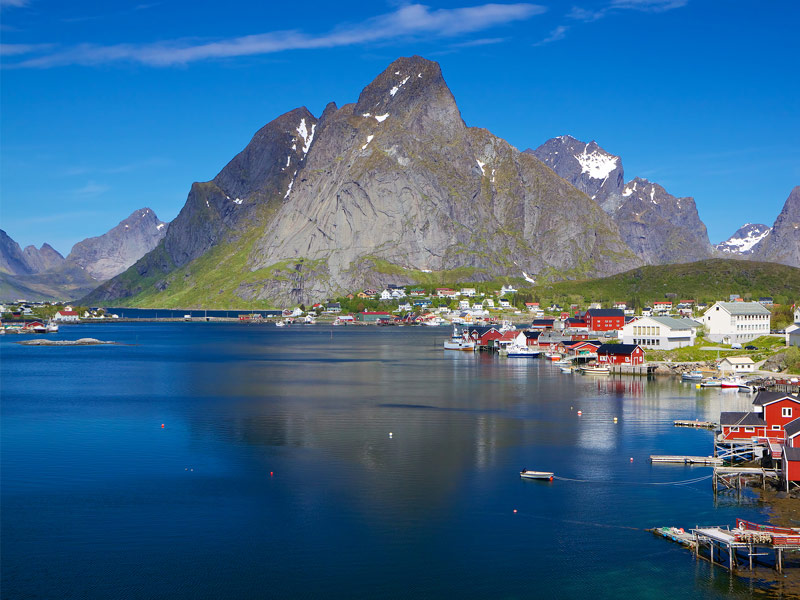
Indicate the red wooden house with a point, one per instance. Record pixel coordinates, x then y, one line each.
604 319
791 465
620 354
742 425
792 434
778 410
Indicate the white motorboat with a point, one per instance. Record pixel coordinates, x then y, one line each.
692 376
280 324
526 474
459 342
594 369
515 351
566 369
713 382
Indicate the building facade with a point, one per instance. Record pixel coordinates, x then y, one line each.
736 322
663 333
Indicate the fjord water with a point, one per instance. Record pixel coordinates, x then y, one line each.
275 474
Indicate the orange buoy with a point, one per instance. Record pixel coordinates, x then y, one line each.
271 473
580 412
162 426
631 459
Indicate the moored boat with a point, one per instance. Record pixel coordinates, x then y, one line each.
526 474
594 369
458 342
521 352
692 376
712 382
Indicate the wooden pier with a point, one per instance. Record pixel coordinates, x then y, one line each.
685 460
695 423
735 479
644 370
735 548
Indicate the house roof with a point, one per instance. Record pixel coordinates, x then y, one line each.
617 349
605 312
738 360
791 454
67 312
741 418
763 398
532 335
673 323
792 427
743 308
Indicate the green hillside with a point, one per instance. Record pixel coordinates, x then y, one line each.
703 281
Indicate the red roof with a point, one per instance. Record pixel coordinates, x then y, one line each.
67 313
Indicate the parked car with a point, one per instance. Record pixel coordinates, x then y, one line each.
736 346
751 347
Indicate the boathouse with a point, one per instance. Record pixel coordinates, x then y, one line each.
742 425
620 354
604 319
792 434
778 410
791 466
736 364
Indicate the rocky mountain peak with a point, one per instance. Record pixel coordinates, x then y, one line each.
745 239
110 254
413 90
587 166
783 242
42 259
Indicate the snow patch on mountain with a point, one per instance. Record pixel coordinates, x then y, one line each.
597 164
743 241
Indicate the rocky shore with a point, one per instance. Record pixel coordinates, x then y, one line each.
79 342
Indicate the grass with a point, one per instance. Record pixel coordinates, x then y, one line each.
767 346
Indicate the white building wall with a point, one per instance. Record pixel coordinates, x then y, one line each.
651 334
728 329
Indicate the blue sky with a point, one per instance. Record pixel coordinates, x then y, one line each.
107 107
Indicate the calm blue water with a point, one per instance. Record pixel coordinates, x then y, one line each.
274 475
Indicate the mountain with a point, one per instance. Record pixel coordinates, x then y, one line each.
44 274
657 226
745 238
588 167
15 261
782 245
381 190
110 254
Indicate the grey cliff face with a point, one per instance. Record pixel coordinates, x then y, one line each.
396 178
258 175
782 245
110 254
45 258
744 240
658 227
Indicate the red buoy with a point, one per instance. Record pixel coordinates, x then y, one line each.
270 473
162 426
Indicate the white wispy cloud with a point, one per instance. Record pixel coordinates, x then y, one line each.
20 49
91 189
655 6
559 33
12 3
408 21
116 169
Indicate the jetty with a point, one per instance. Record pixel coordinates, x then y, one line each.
747 544
685 460
695 423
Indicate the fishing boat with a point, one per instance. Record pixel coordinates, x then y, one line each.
594 369
732 382
526 474
515 351
563 362
280 324
52 327
692 376
458 342
554 356
712 382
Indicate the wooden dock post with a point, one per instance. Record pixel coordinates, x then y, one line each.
779 560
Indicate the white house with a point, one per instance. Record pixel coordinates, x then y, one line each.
507 289
386 295
463 304
797 315
665 333
504 303
736 322
736 364
67 315
468 292
790 331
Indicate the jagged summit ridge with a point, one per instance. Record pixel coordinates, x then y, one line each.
745 239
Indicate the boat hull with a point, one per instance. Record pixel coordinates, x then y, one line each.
542 475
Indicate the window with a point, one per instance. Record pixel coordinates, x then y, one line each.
734 430
776 428
749 429
786 411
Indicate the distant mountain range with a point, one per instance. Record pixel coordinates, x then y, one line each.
396 188
43 274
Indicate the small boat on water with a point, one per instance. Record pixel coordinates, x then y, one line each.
280 324
521 352
566 369
692 376
526 474
594 369
712 382
458 342
733 382
554 356
563 362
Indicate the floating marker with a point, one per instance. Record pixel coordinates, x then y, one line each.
271 473
390 434
631 459
580 413
162 426
515 510
615 419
